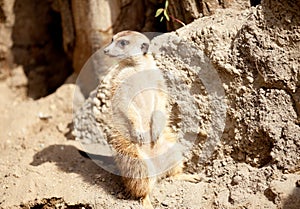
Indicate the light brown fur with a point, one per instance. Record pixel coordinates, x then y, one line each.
146 146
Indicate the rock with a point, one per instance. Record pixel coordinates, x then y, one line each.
286 192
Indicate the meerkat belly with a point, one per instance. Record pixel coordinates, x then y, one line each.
140 100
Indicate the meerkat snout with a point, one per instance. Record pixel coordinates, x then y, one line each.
127 44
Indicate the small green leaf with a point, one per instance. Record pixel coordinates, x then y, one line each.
162 18
166 4
158 12
168 18
166 15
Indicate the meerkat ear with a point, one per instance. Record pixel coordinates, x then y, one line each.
144 48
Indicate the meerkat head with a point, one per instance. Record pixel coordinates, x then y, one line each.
127 44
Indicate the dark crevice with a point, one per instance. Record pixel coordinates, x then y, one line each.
2 14
255 2
207 7
53 202
222 3
199 5
270 195
38 46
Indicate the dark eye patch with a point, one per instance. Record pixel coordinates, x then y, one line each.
123 43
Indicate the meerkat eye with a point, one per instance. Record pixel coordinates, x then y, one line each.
123 43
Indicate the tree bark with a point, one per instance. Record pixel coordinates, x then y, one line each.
93 21
7 19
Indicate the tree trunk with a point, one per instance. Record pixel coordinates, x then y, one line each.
6 24
93 20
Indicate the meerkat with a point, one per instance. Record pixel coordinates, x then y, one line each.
145 145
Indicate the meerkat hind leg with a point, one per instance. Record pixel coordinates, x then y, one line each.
146 203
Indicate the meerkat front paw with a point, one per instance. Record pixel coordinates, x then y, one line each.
158 123
140 137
